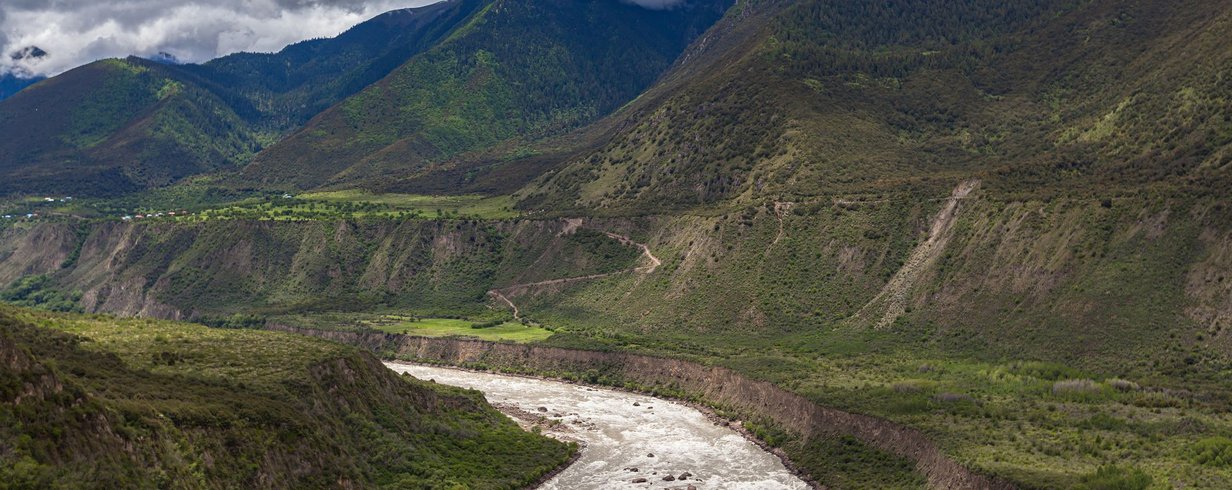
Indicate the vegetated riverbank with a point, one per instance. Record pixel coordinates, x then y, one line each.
90 401
781 415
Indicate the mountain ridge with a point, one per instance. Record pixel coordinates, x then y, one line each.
474 91
150 145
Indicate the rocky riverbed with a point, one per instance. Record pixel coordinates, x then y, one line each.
628 440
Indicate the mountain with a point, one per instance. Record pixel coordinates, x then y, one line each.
283 90
116 126
105 403
17 78
119 126
1003 225
516 72
1050 97
11 84
409 89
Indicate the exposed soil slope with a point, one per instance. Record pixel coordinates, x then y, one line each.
895 295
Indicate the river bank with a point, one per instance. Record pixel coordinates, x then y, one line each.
529 419
719 387
629 439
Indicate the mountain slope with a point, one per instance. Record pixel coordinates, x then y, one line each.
515 71
115 126
281 91
10 84
864 96
102 403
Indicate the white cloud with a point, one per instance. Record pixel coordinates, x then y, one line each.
75 32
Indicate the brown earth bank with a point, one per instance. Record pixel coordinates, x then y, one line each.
193 270
1013 279
713 385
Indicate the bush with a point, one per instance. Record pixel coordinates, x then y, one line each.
1043 370
1115 478
236 321
1075 387
39 292
1214 451
487 324
1123 385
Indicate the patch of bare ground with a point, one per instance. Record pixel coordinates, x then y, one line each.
893 298
1209 286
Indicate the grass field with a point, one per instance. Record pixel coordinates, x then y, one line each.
200 200
446 327
358 204
498 207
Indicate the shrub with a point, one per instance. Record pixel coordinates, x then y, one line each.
1123 385
951 397
1042 370
1075 386
1214 451
39 292
488 324
1115 478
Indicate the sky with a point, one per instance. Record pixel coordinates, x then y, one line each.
76 32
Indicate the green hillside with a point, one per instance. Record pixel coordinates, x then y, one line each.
861 98
280 91
516 71
95 402
1003 224
115 126
120 126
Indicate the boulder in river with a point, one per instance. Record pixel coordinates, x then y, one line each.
684 476
639 480
543 409
649 455
669 478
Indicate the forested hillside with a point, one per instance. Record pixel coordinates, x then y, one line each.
864 97
281 91
516 72
121 126
96 402
116 126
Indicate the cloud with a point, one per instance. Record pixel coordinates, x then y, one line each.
75 32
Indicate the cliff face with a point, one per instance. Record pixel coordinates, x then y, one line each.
174 271
714 385
34 250
970 267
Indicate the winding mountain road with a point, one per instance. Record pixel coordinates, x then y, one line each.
652 264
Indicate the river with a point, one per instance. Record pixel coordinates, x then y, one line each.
626 437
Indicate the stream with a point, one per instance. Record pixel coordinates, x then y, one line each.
626 437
